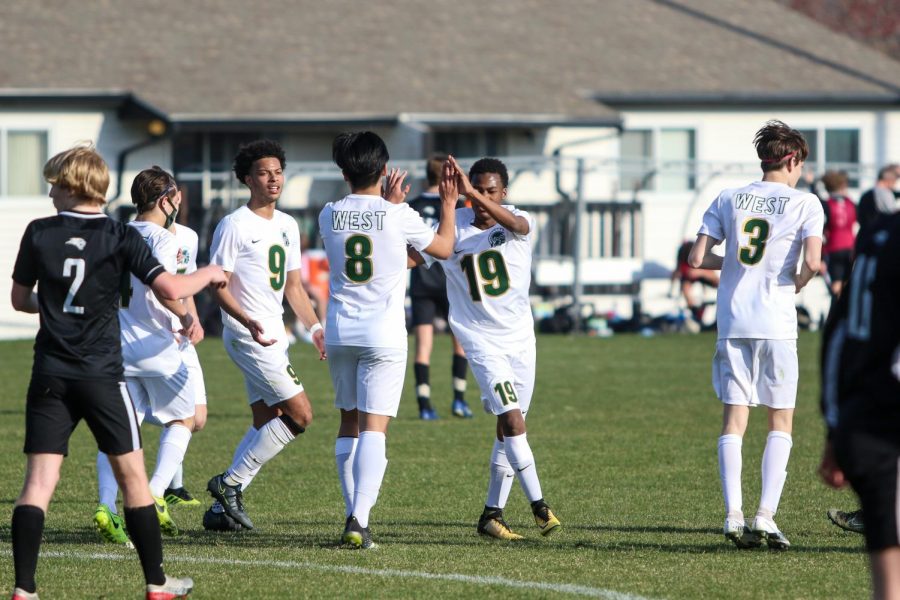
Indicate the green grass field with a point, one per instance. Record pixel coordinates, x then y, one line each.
624 432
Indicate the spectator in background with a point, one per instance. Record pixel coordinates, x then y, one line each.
428 296
689 276
880 200
840 218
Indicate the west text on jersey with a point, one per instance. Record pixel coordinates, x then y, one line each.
761 205
357 220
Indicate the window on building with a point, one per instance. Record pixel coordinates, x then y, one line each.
841 151
26 153
657 160
473 143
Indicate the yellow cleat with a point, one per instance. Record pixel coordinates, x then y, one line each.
492 525
544 517
166 524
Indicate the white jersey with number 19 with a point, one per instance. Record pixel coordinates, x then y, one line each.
365 240
488 278
763 225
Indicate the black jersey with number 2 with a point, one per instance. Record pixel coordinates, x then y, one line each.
79 261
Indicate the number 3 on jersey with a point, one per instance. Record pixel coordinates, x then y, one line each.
752 253
358 265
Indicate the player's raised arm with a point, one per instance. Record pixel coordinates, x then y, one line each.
442 246
701 256
514 223
393 189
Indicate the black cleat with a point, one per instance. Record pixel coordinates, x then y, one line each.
231 499
356 536
219 521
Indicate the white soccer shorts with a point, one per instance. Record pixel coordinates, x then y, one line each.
506 380
161 400
367 379
750 372
192 362
268 374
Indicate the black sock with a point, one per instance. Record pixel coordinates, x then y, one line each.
460 364
421 372
143 528
27 530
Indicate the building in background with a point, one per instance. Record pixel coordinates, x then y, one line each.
642 108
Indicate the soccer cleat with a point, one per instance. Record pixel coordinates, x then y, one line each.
174 587
768 530
356 536
20 594
848 521
111 527
461 409
219 521
428 414
166 524
544 517
180 496
738 532
491 524
231 499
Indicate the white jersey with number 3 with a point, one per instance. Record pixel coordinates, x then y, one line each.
149 347
488 278
365 240
258 252
763 225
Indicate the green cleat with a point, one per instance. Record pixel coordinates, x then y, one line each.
180 496
166 524
544 517
111 527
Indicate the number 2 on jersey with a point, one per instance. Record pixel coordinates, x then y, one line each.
76 264
752 253
491 268
358 266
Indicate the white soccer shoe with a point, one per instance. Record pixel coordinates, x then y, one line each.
738 532
768 530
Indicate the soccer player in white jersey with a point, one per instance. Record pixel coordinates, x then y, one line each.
766 227
160 385
366 234
488 277
188 244
258 247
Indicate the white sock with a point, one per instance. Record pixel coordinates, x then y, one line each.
173 443
521 460
268 442
344 450
178 478
730 464
774 471
369 465
249 436
501 477
106 483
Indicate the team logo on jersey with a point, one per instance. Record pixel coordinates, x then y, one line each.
497 238
77 242
184 256
284 236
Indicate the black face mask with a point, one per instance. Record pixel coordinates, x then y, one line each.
170 216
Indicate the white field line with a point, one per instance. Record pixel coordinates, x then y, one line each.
561 588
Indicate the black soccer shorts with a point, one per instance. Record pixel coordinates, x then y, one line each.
55 405
839 265
870 463
426 308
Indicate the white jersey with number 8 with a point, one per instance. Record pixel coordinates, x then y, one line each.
763 225
365 240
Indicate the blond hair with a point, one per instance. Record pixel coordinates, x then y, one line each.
81 171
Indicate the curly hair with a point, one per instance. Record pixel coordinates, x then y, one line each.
252 152
490 165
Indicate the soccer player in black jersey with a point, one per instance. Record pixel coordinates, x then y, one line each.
79 259
861 398
428 297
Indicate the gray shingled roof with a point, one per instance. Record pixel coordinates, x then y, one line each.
468 59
